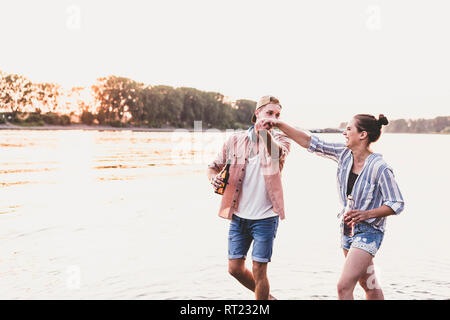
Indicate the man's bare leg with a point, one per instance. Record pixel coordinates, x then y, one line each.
262 287
236 267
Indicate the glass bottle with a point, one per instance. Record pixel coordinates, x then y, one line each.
224 174
349 230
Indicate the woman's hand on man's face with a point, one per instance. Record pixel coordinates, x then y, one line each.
269 123
263 124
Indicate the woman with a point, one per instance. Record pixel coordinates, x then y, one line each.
370 181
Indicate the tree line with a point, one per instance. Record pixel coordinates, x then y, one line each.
436 125
119 101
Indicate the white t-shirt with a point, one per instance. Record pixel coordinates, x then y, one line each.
254 203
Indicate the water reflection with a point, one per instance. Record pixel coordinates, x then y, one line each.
109 155
135 213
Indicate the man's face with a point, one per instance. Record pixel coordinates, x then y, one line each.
270 110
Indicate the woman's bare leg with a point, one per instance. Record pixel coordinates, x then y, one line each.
370 283
355 267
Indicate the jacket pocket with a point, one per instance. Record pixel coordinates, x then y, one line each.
366 195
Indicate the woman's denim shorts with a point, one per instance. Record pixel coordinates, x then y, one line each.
366 238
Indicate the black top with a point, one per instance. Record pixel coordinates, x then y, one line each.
351 181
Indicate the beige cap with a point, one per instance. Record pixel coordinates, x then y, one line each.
265 101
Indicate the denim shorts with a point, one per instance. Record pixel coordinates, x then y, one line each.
366 238
244 231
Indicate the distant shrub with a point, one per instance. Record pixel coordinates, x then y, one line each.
87 118
32 118
116 124
51 118
101 116
65 120
39 123
55 119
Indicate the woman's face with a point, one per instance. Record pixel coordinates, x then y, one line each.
352 136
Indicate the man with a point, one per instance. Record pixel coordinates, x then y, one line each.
253 197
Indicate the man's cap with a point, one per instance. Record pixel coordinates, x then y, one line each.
265 101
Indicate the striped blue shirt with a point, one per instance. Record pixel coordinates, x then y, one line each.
375 185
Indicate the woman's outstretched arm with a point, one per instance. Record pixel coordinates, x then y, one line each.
299 136
311 142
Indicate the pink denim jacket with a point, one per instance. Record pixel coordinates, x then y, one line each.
236 151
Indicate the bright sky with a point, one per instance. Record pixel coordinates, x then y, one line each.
326 60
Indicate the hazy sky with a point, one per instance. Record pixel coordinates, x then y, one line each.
325 59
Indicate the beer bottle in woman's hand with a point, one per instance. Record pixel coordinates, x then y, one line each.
349 230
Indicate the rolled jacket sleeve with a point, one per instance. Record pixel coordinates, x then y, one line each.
326 149
219 162
285 146
392 197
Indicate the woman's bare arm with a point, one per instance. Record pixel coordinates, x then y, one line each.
299 136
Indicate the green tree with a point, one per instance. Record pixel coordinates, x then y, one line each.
87 117
193 106
15 93
152 101
400 125
137 109
171 105
116 96
440 123
47 94
244 111
213 104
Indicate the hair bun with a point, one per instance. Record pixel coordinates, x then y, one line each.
382 120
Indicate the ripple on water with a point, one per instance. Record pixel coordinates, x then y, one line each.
17 183
319 296
422 291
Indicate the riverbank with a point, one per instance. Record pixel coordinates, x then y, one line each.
10 126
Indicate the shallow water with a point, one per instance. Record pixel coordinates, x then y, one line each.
131 215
